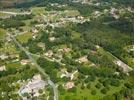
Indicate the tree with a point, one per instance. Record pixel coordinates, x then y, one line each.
33 48
40 91
74 90
61 89
108 97
41 61
115 82
93 92
26 95
104 91
98 85
67 97
128 85
88 85
23 55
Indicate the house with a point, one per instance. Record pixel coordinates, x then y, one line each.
24 62
2 68
69 85
65 49
123 66
132 49
49 53
34 30
114 12
41 45
33 86
52 39
3 56
82 59
67 74
14 56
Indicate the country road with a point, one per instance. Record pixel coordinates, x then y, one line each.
15 13
41 70
124 67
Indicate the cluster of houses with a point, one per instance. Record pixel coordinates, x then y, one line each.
32 87
59 18
58 5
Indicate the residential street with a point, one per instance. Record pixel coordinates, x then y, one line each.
38 67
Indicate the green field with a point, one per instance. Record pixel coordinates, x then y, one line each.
86 93
24 37
3 14
38 10
2 33
13 65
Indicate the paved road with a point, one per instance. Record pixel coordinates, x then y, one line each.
53 60
15 13
126 68
38 67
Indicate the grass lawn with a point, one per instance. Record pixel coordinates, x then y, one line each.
2 33
72 13
75 35
13 65
3 14
13 10
9 48
27 22
129 59
86 93
24 37
37 10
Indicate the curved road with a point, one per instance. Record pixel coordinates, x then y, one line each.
38 67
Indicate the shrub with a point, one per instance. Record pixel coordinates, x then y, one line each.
88 85
74 90
104 91
98 85
115 82
128 85
93 92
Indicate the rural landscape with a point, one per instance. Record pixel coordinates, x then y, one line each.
66 49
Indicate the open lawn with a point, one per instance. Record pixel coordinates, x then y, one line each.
24 37
8 48
2 33
86 93
13 65
38 10
3 14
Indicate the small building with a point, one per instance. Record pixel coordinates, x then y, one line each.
3 56
49 53
65 49
14 56
124 67
3 68
69 85
33 86
82 59
24 62
67 74
34 30
52 39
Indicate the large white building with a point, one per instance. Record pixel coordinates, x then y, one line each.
33 86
